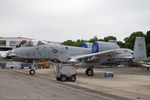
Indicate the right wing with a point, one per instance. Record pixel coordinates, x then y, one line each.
94 56
124 53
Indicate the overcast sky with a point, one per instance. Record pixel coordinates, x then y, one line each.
59 20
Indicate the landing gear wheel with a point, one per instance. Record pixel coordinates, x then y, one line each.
32 72
73 78
58 79
89 72
63 78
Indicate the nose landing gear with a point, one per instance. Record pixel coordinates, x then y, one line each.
32 72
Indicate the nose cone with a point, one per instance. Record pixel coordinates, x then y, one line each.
12 53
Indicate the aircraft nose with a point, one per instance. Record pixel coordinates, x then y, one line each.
11 54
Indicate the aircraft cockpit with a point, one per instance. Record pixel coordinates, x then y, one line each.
34 43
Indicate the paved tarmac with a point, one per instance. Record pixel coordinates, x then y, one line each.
19 86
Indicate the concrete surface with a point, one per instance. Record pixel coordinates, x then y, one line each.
128 82
16 85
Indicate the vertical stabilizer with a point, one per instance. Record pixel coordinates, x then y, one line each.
140 49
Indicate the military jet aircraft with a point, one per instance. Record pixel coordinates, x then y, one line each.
84 57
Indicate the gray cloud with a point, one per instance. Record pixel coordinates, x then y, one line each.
58 20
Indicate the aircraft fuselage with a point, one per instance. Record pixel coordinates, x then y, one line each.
49 51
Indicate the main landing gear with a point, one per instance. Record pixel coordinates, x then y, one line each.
89 72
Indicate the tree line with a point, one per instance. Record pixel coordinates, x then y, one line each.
127 43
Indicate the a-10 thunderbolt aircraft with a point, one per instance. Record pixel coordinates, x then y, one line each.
85 57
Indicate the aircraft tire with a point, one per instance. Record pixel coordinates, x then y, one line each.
58 79
89 72
32 72
73 78
63 78
148 68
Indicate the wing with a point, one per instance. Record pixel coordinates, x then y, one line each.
95 56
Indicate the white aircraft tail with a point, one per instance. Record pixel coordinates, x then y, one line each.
140 49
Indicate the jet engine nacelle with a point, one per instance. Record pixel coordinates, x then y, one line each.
86 45
99 46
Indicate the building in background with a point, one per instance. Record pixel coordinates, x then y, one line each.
12 41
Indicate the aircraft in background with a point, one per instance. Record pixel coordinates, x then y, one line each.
85 57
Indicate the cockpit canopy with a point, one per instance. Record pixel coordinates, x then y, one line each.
33 43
